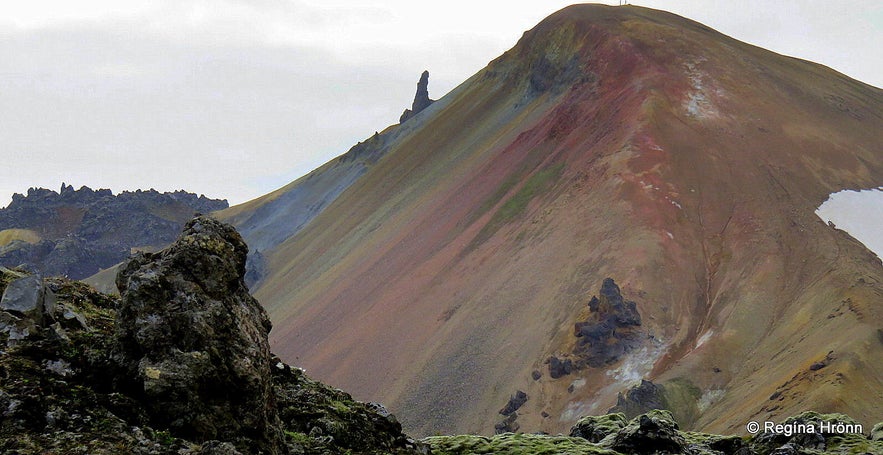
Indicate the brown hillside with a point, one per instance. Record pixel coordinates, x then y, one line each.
609 142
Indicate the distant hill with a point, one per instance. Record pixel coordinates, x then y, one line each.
457 266
76 233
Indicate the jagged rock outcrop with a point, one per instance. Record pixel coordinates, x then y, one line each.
611 330
655 432
559 367
78 232
515 402
26 296
30 311
508 424
193 343
179 364
421 98
640 399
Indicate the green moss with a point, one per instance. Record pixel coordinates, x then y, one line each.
501 191
164 437
341 407
682 399
854 444
535 185
299 438
596 428
512 443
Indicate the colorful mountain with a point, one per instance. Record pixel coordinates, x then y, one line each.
610 142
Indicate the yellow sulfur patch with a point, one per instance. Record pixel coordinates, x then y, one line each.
7 236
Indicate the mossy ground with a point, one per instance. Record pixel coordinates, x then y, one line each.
512 443
648 439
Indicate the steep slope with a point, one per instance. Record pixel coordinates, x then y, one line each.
609 142
269 220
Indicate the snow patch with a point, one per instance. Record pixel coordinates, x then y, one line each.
698 105
860 213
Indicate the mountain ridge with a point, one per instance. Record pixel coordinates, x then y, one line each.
76 233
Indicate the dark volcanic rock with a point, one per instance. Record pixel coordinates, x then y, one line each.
25 297
612 329
640 399
596 428
515 402
82 231
507 425
655 432
330 421
194 342
558 367
421 98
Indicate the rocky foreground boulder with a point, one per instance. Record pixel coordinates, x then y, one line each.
191 342
180 364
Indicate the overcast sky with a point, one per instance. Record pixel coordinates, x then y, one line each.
234 98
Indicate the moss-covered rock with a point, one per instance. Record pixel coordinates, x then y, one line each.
191 342
319 419
712 443
653 432
513 443
64 389
596 428
877 432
